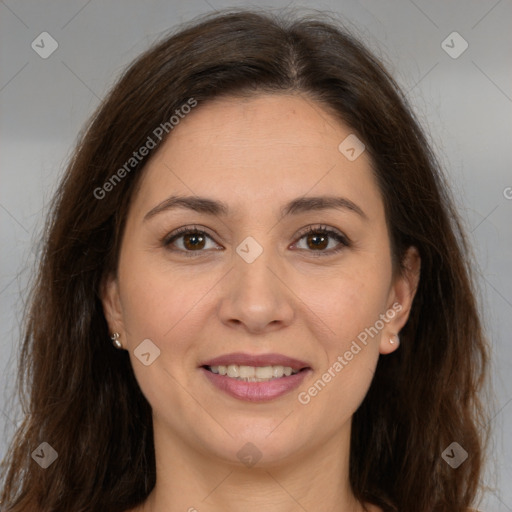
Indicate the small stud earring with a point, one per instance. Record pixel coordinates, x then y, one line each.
392 341
115 340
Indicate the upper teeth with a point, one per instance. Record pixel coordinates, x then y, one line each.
253 372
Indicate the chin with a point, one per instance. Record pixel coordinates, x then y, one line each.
260 445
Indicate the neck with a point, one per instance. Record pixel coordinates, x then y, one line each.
192 481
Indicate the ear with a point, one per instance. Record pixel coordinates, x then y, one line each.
112 304
400 299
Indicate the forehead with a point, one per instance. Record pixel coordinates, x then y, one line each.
262 150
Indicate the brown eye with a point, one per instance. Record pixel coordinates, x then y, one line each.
188 241
318 239
193 241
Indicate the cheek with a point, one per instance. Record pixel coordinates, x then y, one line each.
350 306
349 302
164 306
159 302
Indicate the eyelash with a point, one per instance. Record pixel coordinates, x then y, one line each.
323 230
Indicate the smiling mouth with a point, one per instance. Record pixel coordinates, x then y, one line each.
253 373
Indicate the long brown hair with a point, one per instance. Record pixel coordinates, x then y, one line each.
80 394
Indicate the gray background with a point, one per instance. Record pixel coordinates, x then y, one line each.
464 103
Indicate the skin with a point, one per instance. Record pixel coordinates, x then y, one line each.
255 154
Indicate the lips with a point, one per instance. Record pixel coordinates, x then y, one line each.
242 359
251 391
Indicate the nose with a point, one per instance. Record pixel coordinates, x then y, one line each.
255 296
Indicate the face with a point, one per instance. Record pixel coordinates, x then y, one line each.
271 282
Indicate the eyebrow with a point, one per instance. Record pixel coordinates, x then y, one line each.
213 207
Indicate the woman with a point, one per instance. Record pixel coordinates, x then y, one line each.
255 220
